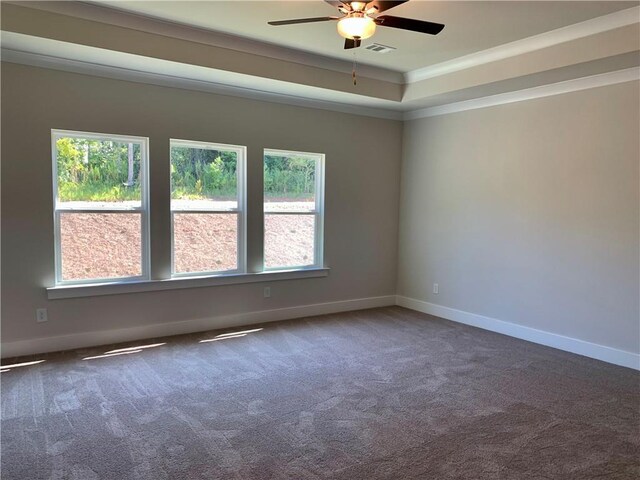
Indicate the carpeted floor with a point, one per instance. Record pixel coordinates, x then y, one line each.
375 394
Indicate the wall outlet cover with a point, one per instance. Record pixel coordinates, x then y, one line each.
41 315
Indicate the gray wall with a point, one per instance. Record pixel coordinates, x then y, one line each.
362 194
529 213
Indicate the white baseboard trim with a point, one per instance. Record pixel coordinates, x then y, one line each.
568 344
105 337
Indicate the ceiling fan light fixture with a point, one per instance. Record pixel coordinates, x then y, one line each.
356 27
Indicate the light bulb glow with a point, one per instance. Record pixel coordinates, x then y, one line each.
356 27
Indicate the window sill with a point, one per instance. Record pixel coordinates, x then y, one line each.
98 289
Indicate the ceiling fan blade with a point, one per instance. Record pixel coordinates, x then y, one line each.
302 20
382 6
409 24
351 43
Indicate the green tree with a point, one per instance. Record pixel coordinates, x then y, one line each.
97 170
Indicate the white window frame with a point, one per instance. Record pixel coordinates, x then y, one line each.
143 209
241 152
318 211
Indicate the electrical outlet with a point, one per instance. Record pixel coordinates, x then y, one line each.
435 288
41 315
267 292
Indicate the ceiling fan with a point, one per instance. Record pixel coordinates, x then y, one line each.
360 19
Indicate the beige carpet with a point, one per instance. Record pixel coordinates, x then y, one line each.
376 394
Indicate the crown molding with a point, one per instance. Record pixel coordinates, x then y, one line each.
174 81
584 83
166 80
114 16
587 28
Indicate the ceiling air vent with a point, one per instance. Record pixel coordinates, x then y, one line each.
378 48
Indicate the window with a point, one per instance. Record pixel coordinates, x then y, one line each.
102 225
293 209
207 208
100 207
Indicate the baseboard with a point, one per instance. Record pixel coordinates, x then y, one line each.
105 337
568 344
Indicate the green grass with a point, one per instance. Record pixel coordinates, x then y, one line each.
194 194
99 192
96 192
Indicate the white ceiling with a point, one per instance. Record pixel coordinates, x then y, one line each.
470 26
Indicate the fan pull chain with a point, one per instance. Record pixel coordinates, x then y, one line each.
353 71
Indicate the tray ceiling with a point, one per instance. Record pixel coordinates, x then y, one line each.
470 26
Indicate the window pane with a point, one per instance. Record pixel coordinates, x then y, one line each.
288 240
205 242
100 245
94 173
203 178
289 182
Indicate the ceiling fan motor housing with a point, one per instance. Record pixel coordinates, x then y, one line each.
356 26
